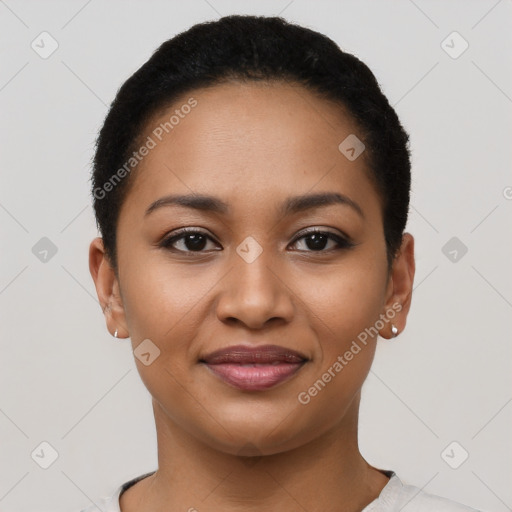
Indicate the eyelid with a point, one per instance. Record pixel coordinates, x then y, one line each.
322 230
190 229
176 234
342 240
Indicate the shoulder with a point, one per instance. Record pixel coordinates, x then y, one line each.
101 506
416 500
111 503
409 498
105 504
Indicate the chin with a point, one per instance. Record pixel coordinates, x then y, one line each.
253 434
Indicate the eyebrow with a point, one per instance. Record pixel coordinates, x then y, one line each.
290 206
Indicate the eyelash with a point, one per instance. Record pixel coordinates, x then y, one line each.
342 242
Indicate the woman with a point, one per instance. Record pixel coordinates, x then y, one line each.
251 186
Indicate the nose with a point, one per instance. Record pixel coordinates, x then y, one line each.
255 294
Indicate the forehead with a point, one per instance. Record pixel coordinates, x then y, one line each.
247 140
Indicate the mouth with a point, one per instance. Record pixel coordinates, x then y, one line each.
254 368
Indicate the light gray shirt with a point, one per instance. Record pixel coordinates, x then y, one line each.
396 496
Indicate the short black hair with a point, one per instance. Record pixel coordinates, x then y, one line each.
252 48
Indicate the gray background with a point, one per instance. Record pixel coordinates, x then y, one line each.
66 381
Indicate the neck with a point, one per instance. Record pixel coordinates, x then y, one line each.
327 473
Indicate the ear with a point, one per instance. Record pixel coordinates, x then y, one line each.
107 288
399 288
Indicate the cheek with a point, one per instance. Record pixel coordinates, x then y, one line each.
159 297
345 300
342 309
166 303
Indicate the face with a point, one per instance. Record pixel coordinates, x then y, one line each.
287 250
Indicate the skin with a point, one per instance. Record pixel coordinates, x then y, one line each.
219 448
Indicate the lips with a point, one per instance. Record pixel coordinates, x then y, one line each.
254 368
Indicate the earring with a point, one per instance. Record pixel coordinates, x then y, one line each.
394 330
115 334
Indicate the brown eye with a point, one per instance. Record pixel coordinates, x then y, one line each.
186 240
317 241
190 240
